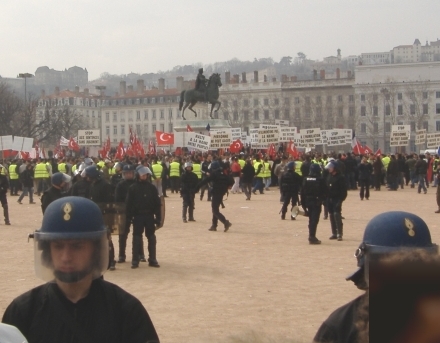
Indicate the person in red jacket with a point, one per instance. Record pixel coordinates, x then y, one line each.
236 173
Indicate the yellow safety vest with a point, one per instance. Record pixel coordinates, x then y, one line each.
266 169
298 165
174 169
62 168
112 171
197 170
41 171
100 164
157 170
241 163
3 171
12 174
386 162
73 168
256 165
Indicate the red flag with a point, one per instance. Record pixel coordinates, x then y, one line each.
24 155
189 128
151 148
291 149
271 151
367 150
43 153
236 146
107 144
129 151
378 153
73 145
356 146
140 148
178 151
37 149
120 151
163 138
132 136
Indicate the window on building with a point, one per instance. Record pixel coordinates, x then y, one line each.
339 98
122 129
170 113
286 114
412 110
255 102
400 110
340 112
425 95
162 127
425 108
246 102
266 102
437 125
162 114
277 114
138 115
375 111
412 96
122 116
413 126
329 99
256 115
318 99
130 115
235 116
362 97
146 129
363 111
351 111
351 98
387 96
107 130
399 96
146 101
170 127
146 114
296 100
437 95
387 110
319 112
307 113
107 116
266 115
153 129
115 130
425 125
161 99
115 116
375 127
437 108
364 128
246 115
138 129
287 101
307 100
375 97
387 127
235 103
154 114
297 113
153 100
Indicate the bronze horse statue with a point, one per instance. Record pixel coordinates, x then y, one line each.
192 96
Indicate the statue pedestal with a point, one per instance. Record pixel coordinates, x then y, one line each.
200 125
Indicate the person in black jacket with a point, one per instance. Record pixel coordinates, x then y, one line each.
350 171
337 193
120 196
248 173
188 187
27 180
365 170
59 182
4 186
421 168
290 185
76 305
143 209
220 185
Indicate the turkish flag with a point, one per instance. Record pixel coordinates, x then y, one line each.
357 148
367 150
132 137
189 128
140 148
24 155
236 146
178 151
378 153
151 148
291 149
163 138
120 151
73 145
272 152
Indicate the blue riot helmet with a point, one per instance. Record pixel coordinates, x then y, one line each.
92 172
71 220
61 179
332 165
142 170
387 233
128 172
290 166
314 170
189 164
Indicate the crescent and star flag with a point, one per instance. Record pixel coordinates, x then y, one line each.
132 137
120 151
163 138
272 152
291 149
151 148
189 128
367 150
378 152
73 145
236 146
355 145
178 151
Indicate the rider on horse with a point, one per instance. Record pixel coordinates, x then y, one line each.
201 84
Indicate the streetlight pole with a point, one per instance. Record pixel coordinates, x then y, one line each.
101 90
24 76
384 91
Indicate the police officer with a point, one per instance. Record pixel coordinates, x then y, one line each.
128 174
117 176
144 210
60 182
188 187
205 174
290 185
81 187
4 185
76 304
386 233
220 185
337 193
313 193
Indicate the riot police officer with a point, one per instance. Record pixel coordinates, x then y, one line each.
313 193
290 185
76 304
188 187
4 186
337 193
59 183
144 210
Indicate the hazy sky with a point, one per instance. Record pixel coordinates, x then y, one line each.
143 36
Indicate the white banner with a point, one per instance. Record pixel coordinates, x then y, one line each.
236 133
17 144
282 122
400 135
420 137
89 137
324 134
336 137
267 126
433 140
348 136
6 142
287 133
253 134
311 136
27 144
221 140
268 136
197 141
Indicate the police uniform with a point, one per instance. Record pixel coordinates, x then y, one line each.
313 193
143 208
337 193
50 196
4 185
205 171
290 184
188 186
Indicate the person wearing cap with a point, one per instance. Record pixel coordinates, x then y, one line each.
386 234
336 194
60 182
279 172
27 180
220 185
4 186
290 185
188 186
313 193
144 211
76 304
248 173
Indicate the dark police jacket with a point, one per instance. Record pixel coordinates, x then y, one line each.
220 182
101 192
107 314
81 188
4 184
313 189
122 190
188 182
291 182
50 196
142 198
337 188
